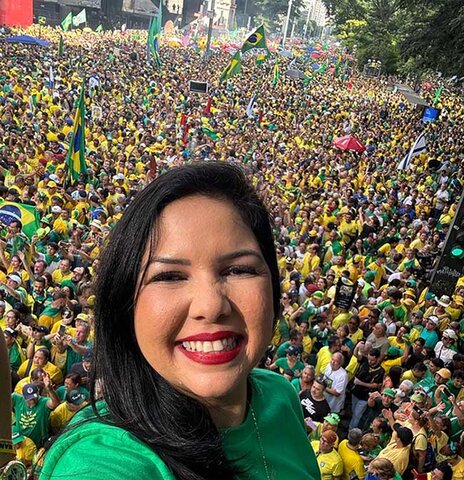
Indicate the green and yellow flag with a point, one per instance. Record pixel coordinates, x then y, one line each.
67 22
234 67
437 95
276 75
26 214
99 29
75 160
256 40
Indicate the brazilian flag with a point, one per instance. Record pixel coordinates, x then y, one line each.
234 67
26 214
75 160
255 40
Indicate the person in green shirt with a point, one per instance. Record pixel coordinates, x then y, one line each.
15 353
290 362
179 327
32 411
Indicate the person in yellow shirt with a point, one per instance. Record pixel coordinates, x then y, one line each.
328 459
41 360
63 273
324 355
352 460
378 268
24 447
59 418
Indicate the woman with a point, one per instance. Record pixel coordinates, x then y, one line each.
305 382
382 469
177 335
282 331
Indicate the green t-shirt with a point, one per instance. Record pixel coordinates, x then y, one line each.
31 422
61 392
15 356
113 453
282 363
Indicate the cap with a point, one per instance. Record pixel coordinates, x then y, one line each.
41 329
369 276
292 350
389 392
418 313
332 418
96 224
15 278
30 391
411 282
444 301
450 334
430 296
357 259
318 294
56 208
444 373
51 184
75 397
42 232
433 319
410 292
394 352
418 397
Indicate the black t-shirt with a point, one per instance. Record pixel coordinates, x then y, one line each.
316 409
367 374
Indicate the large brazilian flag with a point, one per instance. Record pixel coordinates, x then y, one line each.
256 40
26 214
75 160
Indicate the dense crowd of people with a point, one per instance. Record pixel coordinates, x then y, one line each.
381 381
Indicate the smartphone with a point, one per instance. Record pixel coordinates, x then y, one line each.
62 330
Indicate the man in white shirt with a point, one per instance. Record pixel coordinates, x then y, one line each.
443 348
337 380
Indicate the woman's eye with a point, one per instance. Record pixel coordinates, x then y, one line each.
240 270
168 277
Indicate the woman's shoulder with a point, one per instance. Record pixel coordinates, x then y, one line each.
91 449
271 383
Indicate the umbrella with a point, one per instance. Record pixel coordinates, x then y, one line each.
28 40
427 86
350 143
294 73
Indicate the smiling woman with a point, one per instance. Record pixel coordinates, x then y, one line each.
188 292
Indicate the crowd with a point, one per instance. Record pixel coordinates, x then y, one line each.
380 382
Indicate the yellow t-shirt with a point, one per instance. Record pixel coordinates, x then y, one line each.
330 464
352 461
388 364
458 470
60 417
323 359
55 373
356 336
341 319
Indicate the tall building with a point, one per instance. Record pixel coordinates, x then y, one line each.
317 12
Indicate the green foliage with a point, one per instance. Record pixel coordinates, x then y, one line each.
272 12
407 36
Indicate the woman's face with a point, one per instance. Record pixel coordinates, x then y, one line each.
204 314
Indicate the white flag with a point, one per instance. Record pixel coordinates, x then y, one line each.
123 27
418 147
81 17
51 78
249 110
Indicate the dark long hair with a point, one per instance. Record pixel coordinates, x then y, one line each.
178 428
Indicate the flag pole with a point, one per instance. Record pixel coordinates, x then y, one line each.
210 29
287 21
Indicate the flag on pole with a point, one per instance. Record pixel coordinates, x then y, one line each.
256 40
80 18
67 22
32 102
234 67
153 37
99 29
75 160
61 47
51 78
418 147
437 95
276 75
249 110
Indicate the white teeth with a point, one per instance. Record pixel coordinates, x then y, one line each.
222 345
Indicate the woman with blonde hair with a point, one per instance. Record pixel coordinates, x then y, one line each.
382 469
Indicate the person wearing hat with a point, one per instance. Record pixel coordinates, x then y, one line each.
440 311
312 306
24 447
348 451
429 333
12 288
376 403
74 401
15 352
32 411
452 387
290 362
52 312
397 451
394 357
328 459
331 422
444 349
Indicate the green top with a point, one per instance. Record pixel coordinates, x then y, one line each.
113 453
31 422
15 356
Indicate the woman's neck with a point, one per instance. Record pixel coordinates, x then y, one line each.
230 411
